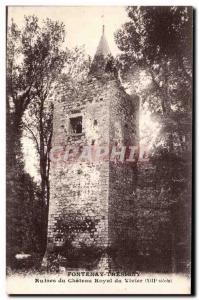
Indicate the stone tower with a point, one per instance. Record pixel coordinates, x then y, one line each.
91 201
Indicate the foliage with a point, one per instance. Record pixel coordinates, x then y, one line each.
156 63
156 47
74 73
37 69
158 40
24 216
34 59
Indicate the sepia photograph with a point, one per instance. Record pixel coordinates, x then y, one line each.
99 149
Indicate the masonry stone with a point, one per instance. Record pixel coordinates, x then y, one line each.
103 212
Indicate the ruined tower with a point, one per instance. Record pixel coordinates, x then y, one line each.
91 202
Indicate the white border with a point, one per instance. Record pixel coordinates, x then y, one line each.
194 3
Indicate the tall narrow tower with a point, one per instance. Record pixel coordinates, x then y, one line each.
90 209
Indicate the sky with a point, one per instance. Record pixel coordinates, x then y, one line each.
83 23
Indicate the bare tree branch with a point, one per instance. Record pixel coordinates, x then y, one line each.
33 136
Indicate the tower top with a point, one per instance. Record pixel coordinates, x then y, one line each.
103 61
103 47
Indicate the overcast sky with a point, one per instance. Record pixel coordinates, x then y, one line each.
83 23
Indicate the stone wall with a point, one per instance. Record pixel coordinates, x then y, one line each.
122 181
152 223
107 208
80 191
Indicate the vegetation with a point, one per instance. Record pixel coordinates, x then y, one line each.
157 42
37 67
155 45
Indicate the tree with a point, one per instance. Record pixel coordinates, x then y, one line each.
34 59
157 41
49 59
38 119
38 126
